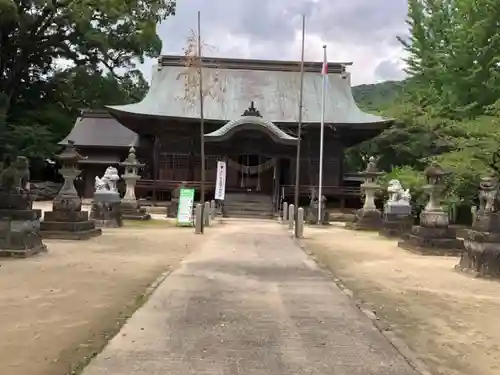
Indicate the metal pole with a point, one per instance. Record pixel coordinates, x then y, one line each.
202 125
324 75
297 166
155 167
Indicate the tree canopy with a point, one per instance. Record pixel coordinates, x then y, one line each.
95 39
449 107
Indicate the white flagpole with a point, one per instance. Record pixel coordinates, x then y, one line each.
324 77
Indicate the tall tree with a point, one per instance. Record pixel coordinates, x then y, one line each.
454 54
111 33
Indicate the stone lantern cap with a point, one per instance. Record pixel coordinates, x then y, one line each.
372 168
435 170
70 154
131 160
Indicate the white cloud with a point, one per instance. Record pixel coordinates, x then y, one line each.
361 31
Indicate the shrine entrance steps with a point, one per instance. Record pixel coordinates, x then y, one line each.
248 205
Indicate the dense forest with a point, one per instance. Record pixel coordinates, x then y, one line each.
59 56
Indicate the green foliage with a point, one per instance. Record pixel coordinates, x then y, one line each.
454 54
377 97
88 36
449 109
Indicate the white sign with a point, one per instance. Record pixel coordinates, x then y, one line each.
220 184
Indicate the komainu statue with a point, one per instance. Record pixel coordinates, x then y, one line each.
482 242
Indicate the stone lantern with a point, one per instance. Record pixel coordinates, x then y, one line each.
433 236
433 214
67 220
67 198
130 205
369 217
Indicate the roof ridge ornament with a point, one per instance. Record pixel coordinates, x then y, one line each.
252 111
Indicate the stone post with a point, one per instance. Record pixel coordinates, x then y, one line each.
300 223
285 212
213 209
206 214
131 209
291 216
198 219
433 236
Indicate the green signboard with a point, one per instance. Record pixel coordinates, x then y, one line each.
185 208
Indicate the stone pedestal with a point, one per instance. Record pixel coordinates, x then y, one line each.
67 221
481 255
132 211
19 233
433 236
130 207
68 224
366 219
106 209
395 225
397 220
312 213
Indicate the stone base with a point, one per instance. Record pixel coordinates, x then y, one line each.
366 220
432 241
172 208
68 225
20 233
107 214
131 211
481 256
76 236
395 225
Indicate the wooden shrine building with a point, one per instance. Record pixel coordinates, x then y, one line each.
251 113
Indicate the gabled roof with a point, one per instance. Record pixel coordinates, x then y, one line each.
234 83
98 128
251 123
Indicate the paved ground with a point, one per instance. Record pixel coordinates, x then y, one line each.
249 302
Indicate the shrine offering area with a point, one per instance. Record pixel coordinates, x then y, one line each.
59 310
448 319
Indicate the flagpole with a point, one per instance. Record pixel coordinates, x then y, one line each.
324 77
299 130
202 127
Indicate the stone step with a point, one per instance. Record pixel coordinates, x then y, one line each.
248 198
249 206
250 215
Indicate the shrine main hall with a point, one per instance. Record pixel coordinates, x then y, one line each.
251 112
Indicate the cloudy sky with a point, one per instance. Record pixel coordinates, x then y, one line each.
361 31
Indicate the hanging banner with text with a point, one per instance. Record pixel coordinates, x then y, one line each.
220 183
185 207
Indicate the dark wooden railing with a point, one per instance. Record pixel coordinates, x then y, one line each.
170 185
305 190
167 185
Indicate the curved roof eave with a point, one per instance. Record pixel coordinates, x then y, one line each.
251 123
126 110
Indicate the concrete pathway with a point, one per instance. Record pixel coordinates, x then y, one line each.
249 302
